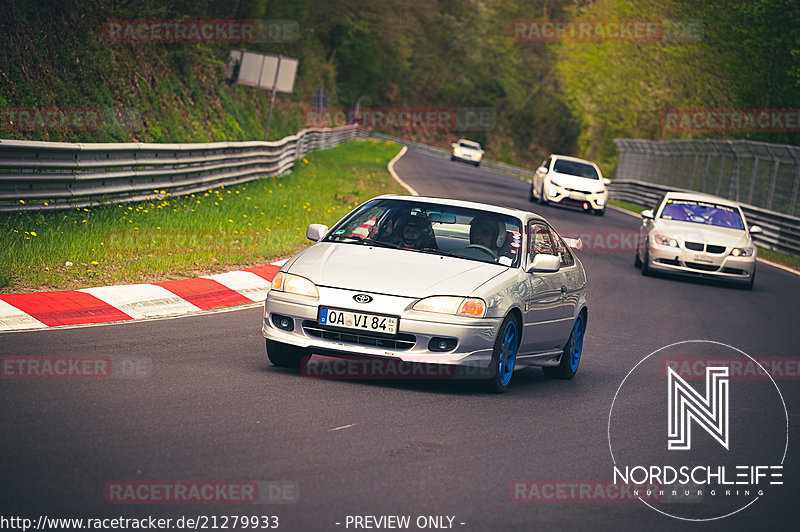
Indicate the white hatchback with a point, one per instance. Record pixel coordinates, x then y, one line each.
570 181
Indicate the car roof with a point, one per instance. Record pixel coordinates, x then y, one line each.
699 196
575 159
469 142
515 213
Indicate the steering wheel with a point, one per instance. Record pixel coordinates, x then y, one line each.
484 249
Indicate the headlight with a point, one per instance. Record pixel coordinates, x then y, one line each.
294 284
742 252
457 306
665 240
600 201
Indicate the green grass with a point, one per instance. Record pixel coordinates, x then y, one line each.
628 206
785 259
220 230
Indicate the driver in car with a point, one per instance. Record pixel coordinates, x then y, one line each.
484 231
417 234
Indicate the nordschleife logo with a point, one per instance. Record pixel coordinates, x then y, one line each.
698 445
687 405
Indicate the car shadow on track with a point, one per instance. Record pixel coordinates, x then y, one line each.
525 380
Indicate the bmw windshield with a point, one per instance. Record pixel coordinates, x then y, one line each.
702 212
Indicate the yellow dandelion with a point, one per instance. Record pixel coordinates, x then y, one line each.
94 262
33 233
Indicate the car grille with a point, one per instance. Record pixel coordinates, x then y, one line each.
703 267
400 342
587 192
734 271
711 248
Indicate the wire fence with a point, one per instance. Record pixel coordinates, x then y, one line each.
754 173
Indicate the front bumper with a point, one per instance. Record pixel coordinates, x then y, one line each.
595 201
474 338
471 157
700 264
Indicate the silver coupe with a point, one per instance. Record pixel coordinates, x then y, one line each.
436 282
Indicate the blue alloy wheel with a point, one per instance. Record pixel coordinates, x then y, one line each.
508 353
571 355
576 344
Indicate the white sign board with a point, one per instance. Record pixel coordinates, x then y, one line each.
264 71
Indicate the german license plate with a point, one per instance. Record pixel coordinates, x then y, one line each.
361 321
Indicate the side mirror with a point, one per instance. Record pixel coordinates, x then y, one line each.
606 181
574 243
756 230
647 214
454 145
316 232
542 169
545 263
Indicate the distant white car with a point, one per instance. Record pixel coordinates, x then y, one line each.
570 181
699 235
467 151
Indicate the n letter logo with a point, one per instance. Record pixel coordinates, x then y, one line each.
686 405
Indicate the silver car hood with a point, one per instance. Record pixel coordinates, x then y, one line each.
710 234
391 271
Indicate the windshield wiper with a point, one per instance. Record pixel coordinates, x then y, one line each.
365 241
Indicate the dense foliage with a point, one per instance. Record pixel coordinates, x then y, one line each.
570 96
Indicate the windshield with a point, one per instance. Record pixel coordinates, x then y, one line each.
563 166
470 145
430 228
702 212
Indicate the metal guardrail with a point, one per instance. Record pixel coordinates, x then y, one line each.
37 176
781 231
756 173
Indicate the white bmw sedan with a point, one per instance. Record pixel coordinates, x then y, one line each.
435 282
570 181
699 235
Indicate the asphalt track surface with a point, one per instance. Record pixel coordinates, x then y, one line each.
211 407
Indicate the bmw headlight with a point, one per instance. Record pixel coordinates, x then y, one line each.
456 306
742 252
658 238
294 284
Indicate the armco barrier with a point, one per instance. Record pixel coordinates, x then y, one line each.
56 175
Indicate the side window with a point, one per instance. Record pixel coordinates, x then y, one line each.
563 251
540 240
546 163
